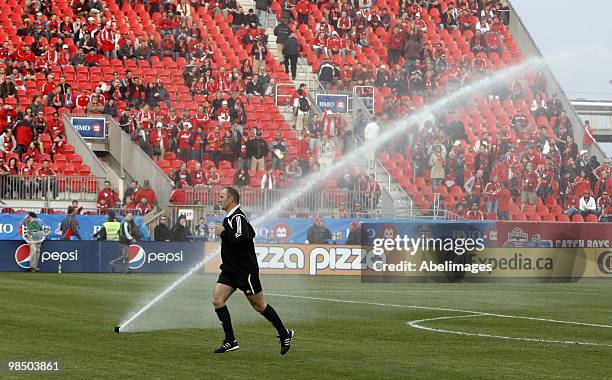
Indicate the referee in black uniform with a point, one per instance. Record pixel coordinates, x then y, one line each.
239 270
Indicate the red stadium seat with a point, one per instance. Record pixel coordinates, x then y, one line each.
563 218
577 218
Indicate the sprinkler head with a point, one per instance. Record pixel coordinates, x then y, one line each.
117 329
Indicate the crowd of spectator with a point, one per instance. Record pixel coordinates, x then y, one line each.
528 161
531 162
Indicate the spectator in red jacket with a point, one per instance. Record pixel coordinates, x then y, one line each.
603 203
143 206
109 195
147 193
178 196
159 141
474 213
531 185
184 138
588 139
491 193
49 85
24 134
198 177
102 206
395 44
212 177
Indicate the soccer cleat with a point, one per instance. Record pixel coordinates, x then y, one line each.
227 346
285 341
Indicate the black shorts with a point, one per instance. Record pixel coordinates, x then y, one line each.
248 283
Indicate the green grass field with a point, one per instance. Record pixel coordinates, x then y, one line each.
70 318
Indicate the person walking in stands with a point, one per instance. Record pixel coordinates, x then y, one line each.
110 229
128 234
69 227
282 33
291 52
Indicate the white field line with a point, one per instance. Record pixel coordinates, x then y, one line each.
471 313
417 325
443 309
448 291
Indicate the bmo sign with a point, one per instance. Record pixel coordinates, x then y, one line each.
334 102
90 127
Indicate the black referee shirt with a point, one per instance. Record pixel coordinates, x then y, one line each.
237 246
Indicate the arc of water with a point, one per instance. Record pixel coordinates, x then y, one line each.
312 181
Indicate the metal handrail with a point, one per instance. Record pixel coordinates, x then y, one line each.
202 211
283 96
361 98
83 210
49 188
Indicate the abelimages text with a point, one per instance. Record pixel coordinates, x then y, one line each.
412 245
428 266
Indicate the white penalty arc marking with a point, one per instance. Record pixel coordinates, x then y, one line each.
417 325
471 313
442 309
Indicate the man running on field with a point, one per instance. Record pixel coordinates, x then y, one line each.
239 270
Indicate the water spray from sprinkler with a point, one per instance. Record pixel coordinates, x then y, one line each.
313 180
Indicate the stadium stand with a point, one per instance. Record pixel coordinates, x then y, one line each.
193 84
411 52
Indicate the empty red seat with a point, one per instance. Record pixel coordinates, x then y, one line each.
577 218
563 218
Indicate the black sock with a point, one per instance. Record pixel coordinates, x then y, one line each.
270 314
226 321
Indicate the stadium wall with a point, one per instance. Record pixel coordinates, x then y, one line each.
301 259
81 147
136 163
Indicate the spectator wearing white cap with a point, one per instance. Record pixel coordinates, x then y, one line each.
184 138
159 141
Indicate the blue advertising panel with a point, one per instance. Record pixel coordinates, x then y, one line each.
336 103
88 225
277 230
90 127
95 256
295 230
485 230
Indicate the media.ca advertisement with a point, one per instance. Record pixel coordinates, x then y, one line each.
377 264
96 256
465 250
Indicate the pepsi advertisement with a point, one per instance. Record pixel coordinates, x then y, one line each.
335 103
95 256
90 127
